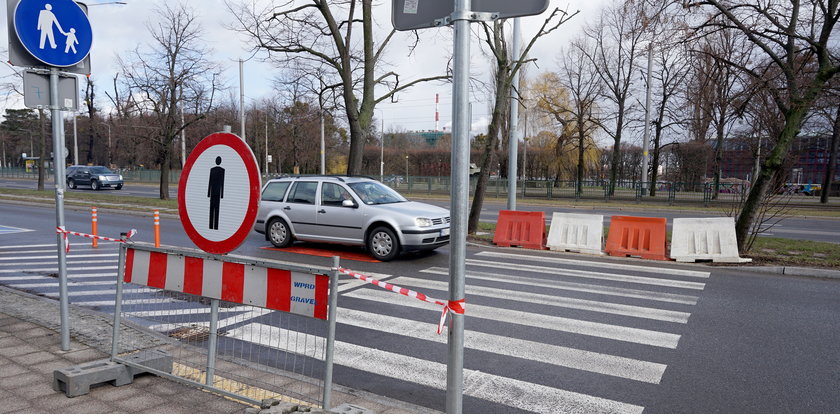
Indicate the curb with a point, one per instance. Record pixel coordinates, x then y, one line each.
790 271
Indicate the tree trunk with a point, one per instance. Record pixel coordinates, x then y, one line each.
616 155
503 89
773 163
832 160
164 172
654 172
581 152
718 157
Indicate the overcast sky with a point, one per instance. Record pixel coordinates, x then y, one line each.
119 28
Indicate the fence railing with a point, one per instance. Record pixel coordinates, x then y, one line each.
247 329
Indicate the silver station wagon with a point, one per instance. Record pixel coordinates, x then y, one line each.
349 210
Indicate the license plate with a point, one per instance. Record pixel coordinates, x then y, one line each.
444 232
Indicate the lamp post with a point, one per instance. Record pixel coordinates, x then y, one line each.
406 169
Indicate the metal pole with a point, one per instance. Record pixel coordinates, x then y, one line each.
58 151
460 203
265 171
213 339
115 339
382 152
646 139
242 99
331 312
513 141
75 142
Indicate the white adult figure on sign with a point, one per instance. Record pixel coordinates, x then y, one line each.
46 20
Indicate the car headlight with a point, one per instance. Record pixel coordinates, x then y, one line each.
423 222
121 178
102 178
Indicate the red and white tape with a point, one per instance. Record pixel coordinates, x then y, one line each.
455 306
61 230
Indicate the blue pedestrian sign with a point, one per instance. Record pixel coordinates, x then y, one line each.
56 32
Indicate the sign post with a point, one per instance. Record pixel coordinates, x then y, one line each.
58 35
418 14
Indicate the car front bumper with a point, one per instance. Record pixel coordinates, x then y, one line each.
425 239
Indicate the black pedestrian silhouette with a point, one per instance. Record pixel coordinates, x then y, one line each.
216 192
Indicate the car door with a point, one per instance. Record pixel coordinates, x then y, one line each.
300 209
337 222
82 176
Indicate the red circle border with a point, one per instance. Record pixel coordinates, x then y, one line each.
247 156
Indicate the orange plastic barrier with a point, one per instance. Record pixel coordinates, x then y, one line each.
637 236
520 228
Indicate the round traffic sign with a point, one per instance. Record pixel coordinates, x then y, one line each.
219 193
56 32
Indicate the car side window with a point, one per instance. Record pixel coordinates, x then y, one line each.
275 191
333 194
303 192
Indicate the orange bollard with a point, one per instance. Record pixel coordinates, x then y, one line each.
93 220
157 228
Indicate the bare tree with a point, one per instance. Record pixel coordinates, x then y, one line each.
506 67
323 36
794 65
170 73
615 39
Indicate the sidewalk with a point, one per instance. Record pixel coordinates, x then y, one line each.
30 350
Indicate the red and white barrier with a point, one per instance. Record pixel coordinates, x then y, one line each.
282 290
456 306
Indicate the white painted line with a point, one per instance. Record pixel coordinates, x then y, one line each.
589 275
552 323
17 252
55 256
586 263
103 292
501 390
69 263
577 287
188 311
27 246
553 300
251 314
55 283
55 269
127 302
615 366
69 276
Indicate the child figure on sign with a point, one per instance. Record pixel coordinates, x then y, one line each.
71 41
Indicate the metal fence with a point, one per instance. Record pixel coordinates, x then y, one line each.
231 347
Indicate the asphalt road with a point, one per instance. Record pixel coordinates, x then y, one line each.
809 228
546 332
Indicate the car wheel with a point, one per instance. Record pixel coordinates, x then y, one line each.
383 244
94 185
278 233
71 183
119 187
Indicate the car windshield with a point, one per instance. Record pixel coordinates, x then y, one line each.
374 192
100 170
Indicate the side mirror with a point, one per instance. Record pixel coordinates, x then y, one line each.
348 203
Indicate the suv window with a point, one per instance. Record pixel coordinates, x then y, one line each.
275 191
333 194
303 192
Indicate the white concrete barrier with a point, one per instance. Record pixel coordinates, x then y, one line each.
582 233
705 239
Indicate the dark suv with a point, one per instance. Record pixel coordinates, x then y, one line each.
95 176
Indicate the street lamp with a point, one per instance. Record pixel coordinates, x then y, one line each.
406 169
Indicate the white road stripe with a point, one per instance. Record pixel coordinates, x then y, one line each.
70 276
55 257
553 300
586 263
589 275
553 323
188 311
127 302
55 269
26 246
252 313
533 351
577 287
69 283
70 263
18 252
501 390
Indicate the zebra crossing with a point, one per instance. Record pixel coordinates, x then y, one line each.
543 334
